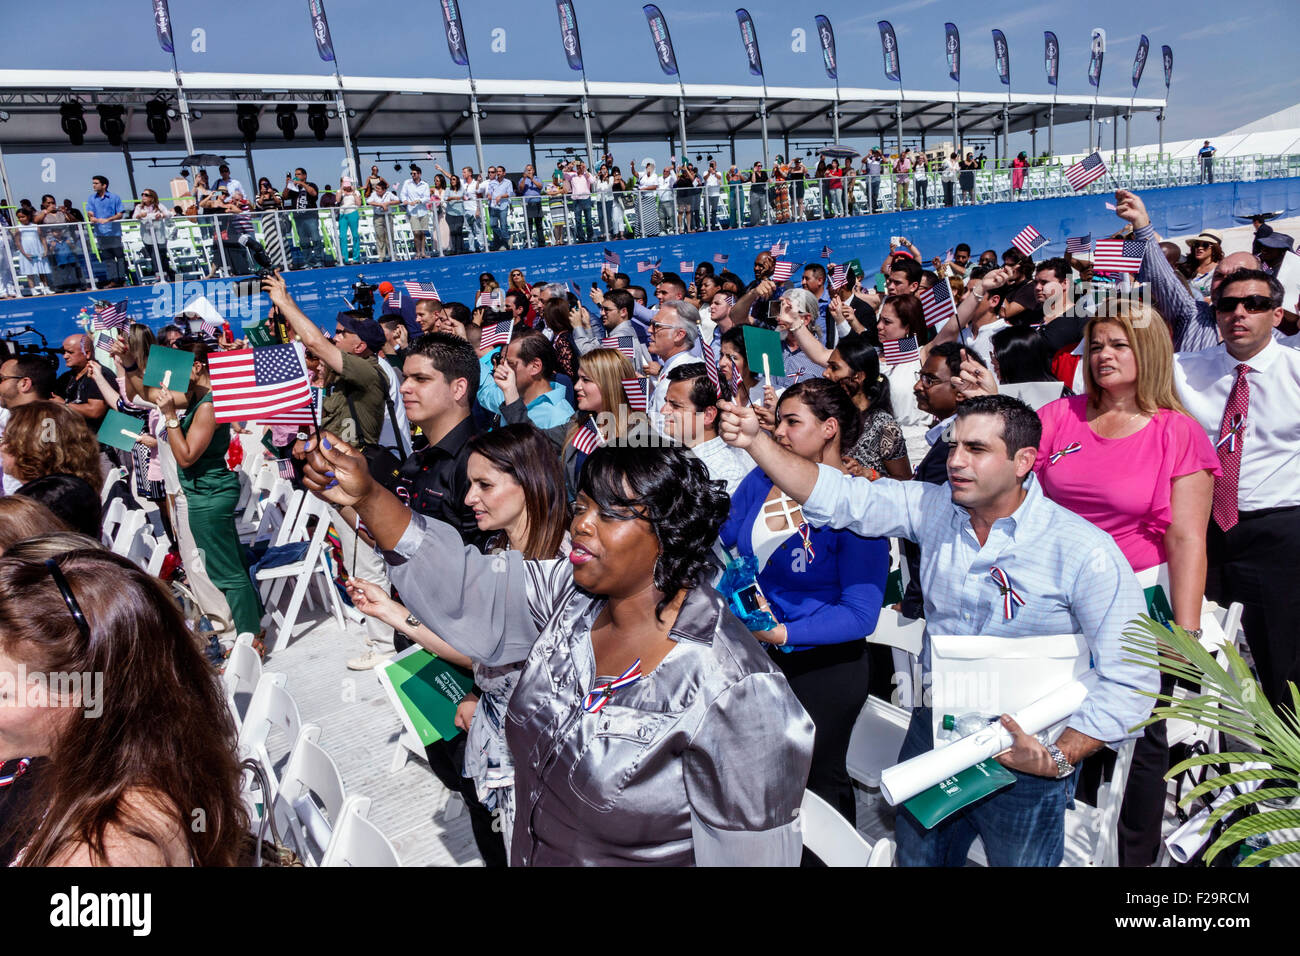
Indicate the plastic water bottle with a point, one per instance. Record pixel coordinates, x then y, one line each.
1250 845
963 725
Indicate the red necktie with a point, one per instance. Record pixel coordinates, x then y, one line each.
1232 434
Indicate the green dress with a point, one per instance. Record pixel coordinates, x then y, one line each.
212 494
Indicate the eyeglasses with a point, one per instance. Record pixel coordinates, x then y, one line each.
1198 245
660 325
1253 303
66 590
929 381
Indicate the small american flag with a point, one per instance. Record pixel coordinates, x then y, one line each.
587 438
248 384
1118 255
736 381
635 390
826 252
721 258
1087 170
209 328
497 334
901 350
576 290
711 367
839 276
394 300
611 258
422 290
1028 240
110 316
284 467
648 265
937 304
624 343
485 300
731 300
947 256
1075 245
778 248
782 271
307 415
686 265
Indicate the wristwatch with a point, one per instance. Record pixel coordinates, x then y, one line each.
1063 767
1194 632
413 621
172 423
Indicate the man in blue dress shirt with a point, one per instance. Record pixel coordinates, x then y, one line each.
1071 575
104 210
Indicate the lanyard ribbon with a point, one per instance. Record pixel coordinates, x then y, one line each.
1069 449
21 769
1230 439
806 533
600 696
1010 596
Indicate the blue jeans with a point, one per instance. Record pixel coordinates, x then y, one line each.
308 224
582 219
1023 825
500 229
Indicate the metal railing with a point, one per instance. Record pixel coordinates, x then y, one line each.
73 256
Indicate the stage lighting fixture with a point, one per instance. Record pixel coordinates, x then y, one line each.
317 121
111 122
246 121
73 122
286 118
156 120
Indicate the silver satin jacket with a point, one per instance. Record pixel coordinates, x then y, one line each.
703 761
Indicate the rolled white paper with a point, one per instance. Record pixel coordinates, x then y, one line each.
1184 842
905 780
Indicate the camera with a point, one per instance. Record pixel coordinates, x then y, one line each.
363 296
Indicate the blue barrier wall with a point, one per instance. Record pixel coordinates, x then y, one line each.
322 292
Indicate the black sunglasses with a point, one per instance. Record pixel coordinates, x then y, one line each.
1253 303
66 590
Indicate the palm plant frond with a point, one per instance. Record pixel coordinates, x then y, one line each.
1232 704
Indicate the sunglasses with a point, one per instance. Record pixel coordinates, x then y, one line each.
1253 303
68 598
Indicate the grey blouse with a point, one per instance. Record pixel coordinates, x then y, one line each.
702 762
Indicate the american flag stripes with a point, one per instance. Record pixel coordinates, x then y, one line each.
778 248
394 300
736 382
731 300
839 276
648 265
1087 170
110 316
497 334
307 415
901 351
1118 255
587 437
721 258
826 252
248 384
782 271
711 367
484 300
624 343
686 265
611 258
210 328
937 304
284 467
1075 245
1029 240
637 397
421 290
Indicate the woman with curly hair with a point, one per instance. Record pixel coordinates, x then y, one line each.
823 587
647 726
119 763
47 438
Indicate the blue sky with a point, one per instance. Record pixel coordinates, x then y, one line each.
1225 73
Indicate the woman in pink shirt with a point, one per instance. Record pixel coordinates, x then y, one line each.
1127 457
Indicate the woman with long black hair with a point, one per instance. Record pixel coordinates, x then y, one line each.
880 450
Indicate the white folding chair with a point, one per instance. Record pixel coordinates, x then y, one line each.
141 548
280 506
153 567
309 802
112 519
311 567
110 480
1219 626
271 708
240 678
905 636
128 529
834 839
1092 833
262 483
876 740
357 841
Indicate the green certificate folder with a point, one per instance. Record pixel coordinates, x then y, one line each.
933 806
426 691
760 342
162 361
258 336
118 430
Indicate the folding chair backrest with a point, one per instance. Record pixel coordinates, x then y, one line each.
829 835
309 803
240 679
357 841
894 630
272 708
131 526
113 516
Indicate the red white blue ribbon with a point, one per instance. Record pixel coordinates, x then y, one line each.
601 694
1230 438
1010 597
21 769
805 532
1069 449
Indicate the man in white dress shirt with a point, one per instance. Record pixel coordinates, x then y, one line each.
415 195
691 416
673 333
1245 393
